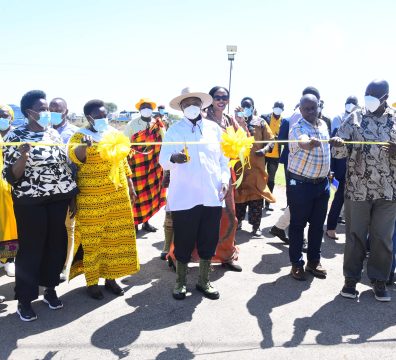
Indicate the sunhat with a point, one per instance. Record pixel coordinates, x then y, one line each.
186 93
147 101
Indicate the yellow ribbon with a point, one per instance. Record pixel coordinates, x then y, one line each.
191 143
114 148
236 146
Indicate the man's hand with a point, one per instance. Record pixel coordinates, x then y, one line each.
336 141
179 158
390 148
309 143
224 191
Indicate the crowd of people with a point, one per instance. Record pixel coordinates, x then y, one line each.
62 213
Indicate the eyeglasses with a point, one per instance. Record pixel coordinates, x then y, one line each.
223 97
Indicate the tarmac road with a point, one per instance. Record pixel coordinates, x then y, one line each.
262 312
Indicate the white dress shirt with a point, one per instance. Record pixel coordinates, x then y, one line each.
198 181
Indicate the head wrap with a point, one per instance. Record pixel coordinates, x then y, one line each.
9 109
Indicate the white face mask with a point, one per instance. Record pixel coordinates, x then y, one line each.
372 103
277 111
192 112
146 113
349 107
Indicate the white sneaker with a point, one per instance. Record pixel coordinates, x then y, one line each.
10 269
2 299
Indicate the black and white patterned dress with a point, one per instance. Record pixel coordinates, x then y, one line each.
47 173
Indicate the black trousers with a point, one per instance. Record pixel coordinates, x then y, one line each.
197 226
272 166
255 212
42 250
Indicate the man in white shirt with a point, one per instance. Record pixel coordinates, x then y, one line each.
199 178
351 104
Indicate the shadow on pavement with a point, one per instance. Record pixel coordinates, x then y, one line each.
273 263
357 320
152 309
270 296
76 302
178 353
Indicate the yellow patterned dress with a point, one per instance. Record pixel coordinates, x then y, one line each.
104 239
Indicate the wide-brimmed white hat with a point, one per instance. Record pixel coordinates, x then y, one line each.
186 93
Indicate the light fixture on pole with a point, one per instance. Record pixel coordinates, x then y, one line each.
231 50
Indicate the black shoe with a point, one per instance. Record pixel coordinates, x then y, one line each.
256 231
305 246
232 266
26 312
163 255
349 289
380 291
341 221
147 227
94 292
280 233
52 300
239 227
112 286
268 208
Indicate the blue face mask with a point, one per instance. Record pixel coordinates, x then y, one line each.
162 111
248 112
56 118
45 119
4 124
101 125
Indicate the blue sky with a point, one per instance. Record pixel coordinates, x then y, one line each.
122 50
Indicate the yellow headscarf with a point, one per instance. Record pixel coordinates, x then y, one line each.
9 109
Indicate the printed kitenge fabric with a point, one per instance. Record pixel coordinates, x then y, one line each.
8 229
104 239
147 173
47 172
371 172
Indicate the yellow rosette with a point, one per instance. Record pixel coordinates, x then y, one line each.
236 146
114 148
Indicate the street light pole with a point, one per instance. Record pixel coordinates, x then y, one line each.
231 50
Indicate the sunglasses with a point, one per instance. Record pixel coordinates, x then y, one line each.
218 98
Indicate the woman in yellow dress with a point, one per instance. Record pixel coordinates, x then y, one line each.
105 240
8 229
